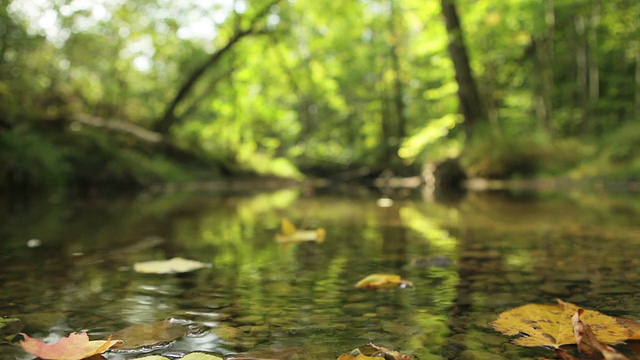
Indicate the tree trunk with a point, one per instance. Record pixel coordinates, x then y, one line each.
470 104
636 44
393 126
582 74
545 64
592 45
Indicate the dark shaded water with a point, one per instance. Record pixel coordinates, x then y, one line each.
469 260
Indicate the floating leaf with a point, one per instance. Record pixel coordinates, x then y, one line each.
551 325
172 266
290 234
383 281
149 336
374 352
75 347
191 356
287 227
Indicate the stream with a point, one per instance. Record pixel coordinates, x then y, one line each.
67 266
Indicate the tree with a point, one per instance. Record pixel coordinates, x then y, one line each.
169 118
470 104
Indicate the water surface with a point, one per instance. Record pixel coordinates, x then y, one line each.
68 267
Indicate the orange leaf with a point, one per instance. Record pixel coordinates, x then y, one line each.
383 281
75 347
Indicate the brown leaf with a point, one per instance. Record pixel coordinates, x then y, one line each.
394 354
560 353
587 341
374 352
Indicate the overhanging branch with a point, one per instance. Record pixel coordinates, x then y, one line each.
169 118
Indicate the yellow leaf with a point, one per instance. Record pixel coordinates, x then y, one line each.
287 227
551 325
383 281
290 234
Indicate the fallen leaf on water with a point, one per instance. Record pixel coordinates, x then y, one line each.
290 234
172 266
383 281
551 325
588 342
153 335
74 347
191 356
374 352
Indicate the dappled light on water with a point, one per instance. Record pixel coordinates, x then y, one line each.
247 275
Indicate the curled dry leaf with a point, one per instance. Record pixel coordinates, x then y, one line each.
587 341
374 352
74 347
562 354
383 281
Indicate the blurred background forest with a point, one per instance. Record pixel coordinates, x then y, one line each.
125 94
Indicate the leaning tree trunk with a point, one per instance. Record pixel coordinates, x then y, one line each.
470 104
169 117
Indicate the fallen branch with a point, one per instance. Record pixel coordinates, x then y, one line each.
119 126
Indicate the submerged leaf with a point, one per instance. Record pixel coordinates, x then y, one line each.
147 336
551 325
9 327
172 266
75 347
383 281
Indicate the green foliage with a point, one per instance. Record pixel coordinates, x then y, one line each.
615 156
432 142
31 161
498 156
110 161
319 85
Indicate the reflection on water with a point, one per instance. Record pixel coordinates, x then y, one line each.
68 267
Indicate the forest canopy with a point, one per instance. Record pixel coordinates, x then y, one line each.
131 93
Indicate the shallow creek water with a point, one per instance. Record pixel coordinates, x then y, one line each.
68 267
